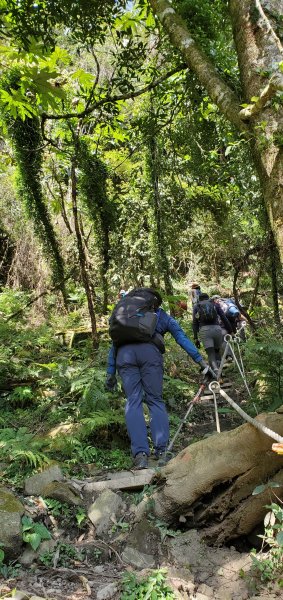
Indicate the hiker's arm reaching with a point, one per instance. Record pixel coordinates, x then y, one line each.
180 337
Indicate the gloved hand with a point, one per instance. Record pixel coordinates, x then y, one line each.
206 369
110 383
197 343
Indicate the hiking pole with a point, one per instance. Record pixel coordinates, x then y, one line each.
190 408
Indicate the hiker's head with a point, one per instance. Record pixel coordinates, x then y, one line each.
195 286
158 297
122 293
203 297
215 297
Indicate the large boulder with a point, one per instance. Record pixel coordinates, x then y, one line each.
11 511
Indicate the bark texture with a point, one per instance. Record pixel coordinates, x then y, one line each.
211 482
259 51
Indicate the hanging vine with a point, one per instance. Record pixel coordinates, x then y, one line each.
28 151
93 187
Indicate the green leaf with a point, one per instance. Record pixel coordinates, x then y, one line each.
33 539
41 530
279 538
259 489
27 523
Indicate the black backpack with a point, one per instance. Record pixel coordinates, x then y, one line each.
133 318
206 312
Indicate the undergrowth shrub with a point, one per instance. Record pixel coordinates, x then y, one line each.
147 588
268 562
264 355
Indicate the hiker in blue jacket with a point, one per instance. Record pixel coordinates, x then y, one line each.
140 366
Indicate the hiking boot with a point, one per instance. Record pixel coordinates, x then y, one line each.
163 458
141 461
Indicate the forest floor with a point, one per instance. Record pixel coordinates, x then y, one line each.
100 570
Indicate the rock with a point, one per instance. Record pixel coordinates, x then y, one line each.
98 570
63 492
206 590
181 581
107 592
11 511
137 559
223 594
21 595
35 484
101 511
199 596
218 569
146 538
28 557
37 598
46 546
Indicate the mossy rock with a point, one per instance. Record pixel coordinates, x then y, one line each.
11 511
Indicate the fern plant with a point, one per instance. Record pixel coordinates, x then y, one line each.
19 446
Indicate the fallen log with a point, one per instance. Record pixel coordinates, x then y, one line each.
210 483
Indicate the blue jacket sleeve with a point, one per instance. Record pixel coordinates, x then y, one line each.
111 362
180 337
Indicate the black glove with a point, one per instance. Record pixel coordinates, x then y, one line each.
110 383
206 369
197 343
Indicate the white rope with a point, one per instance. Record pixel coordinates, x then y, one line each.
217 422
214 385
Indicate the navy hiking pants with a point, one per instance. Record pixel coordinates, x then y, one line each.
140 367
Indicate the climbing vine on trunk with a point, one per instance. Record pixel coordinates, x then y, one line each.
28 150
93 186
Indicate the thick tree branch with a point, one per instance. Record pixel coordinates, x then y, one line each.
115 98
223 96
274 85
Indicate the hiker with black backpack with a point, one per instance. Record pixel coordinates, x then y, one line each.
206 315
137 326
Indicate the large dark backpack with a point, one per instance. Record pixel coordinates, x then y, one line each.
133 319
206 312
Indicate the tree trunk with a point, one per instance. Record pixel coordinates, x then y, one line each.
162 259
259 53
211 482
82 257
273 273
